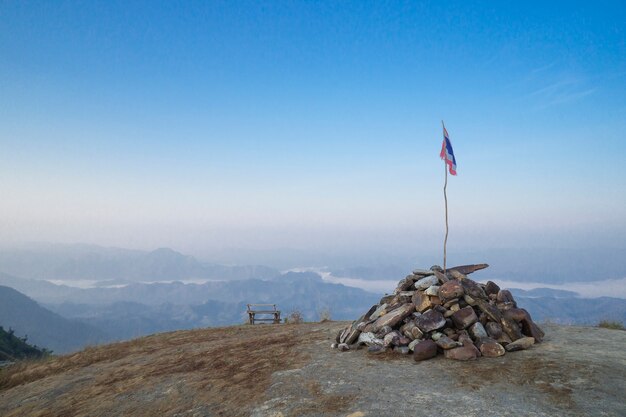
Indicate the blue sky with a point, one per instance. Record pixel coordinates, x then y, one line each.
312 125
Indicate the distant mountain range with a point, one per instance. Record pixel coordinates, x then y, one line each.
134 293
96 263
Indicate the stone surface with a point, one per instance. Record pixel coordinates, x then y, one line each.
370 339
462 353
391 318
490 310
464 318
494 330
379 311
511 328
505 296
422 301
468 269
450 311
451 289
491 288
445 342
490 348
406 283
426 349
432 290
520 344
473 289
429 321
426 282
343 347
391 338
478 331
441 277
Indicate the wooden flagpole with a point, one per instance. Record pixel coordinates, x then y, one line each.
445 196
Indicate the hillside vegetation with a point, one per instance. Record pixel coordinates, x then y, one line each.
13 348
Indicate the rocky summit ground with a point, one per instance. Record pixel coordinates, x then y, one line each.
290 370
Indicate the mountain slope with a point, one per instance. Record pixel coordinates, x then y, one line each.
43 327
289 370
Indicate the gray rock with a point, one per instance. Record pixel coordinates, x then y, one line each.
370 339
436 335
392 318
406 283
445 342
422 272
430 320
432 290
390 338
520 344
383 332
426 282
477 331
441 277
379 311
343 347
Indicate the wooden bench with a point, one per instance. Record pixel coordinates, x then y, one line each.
266 310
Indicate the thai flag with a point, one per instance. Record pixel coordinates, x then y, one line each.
447 154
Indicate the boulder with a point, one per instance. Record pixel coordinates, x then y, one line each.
490 348
422 301
520 344
462 353
478 331
391 318
426 349
430 320
426 282
494 330
451 289
445 343
464 318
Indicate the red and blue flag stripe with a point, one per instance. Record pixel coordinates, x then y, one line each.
447 154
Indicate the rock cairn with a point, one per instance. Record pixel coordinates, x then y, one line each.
431 312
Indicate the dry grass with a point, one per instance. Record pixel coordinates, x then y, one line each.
613 325
221 371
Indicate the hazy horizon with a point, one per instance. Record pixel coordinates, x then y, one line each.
312 128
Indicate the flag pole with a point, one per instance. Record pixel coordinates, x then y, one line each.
445 196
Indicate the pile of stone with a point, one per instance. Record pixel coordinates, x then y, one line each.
431 312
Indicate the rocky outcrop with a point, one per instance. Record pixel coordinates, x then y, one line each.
433 312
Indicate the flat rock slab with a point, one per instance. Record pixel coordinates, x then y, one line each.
561 377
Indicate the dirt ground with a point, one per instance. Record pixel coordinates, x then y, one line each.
289 370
